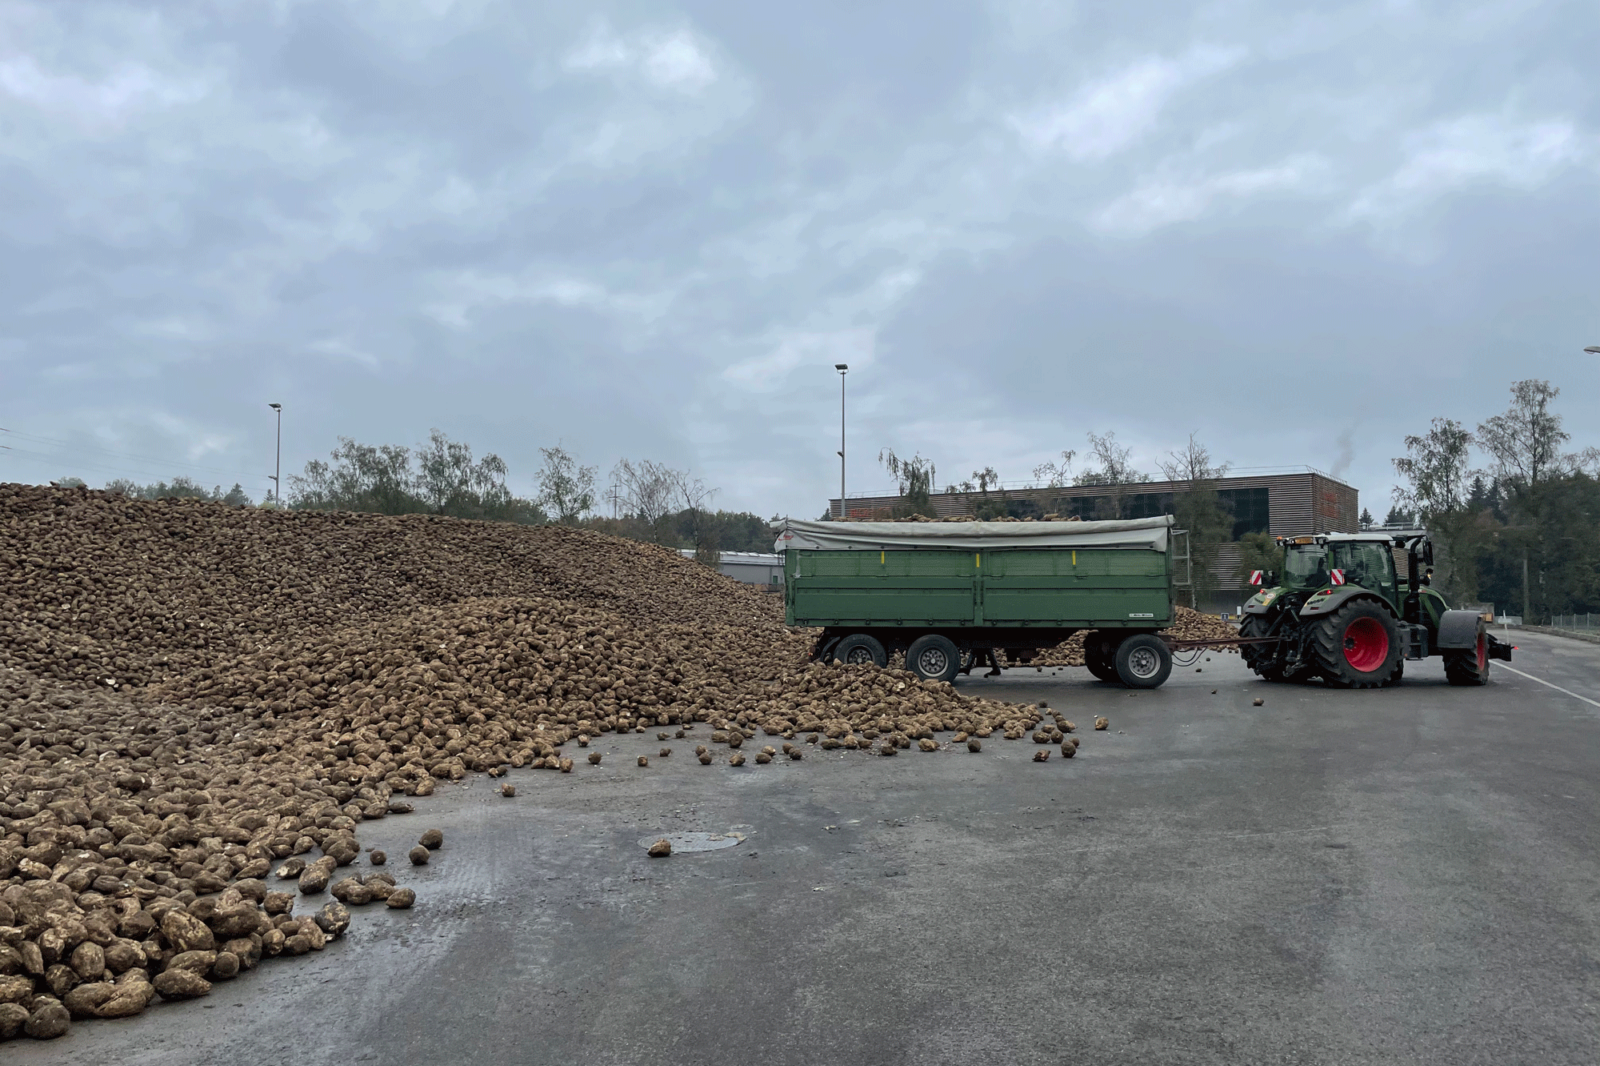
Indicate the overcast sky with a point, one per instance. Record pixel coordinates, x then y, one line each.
650 229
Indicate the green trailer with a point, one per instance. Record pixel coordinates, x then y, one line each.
946 593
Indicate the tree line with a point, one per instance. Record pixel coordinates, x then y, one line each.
1196 504
649 501
1515 516
177 488
987 500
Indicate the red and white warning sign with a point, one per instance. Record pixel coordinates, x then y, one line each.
1338 577
1255 577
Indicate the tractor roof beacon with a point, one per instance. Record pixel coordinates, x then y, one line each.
1341 611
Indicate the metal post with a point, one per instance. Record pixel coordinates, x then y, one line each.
1526 617
843 369
277 467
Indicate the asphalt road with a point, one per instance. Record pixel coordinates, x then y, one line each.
1400 876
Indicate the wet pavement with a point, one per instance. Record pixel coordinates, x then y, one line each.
1406 875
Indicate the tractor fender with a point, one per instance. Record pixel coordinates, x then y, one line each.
1261 602
1322 606
1458 629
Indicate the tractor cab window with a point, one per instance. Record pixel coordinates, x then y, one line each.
1305 566
1367 564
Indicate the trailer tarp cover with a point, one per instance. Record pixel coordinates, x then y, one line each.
1149 534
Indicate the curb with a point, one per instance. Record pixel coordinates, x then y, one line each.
1569 634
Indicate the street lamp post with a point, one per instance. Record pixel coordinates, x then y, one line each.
277 469
843 369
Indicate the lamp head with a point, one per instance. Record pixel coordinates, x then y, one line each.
841 367
276 406
1593 349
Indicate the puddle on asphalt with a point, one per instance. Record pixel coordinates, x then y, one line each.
694 841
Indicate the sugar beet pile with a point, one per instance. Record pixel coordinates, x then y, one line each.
194 698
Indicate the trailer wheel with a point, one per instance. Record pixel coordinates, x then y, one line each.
1096 658
1144 661
1357 646
1469 666
1100 660
933 658
860 648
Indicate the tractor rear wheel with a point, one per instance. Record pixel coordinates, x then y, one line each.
1468 666
1262 658
1267 659
1357 646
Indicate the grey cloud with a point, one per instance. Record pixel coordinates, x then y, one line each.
652 228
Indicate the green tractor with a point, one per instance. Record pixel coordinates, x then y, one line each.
1341 612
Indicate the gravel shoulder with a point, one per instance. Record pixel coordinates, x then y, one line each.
1395 876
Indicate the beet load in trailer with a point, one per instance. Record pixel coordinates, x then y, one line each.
945 593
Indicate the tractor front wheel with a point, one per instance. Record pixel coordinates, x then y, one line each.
1469 666
1357 646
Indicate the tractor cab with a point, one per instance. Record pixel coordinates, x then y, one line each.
1312 564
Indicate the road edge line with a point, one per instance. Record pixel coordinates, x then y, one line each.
1542 681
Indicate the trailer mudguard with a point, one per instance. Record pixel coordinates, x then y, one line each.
824 647
1458 629
1320 605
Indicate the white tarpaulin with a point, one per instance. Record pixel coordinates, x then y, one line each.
1149 534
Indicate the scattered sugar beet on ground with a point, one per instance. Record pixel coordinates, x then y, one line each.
194 699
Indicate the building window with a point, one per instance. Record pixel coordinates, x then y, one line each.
1250 509
1147 504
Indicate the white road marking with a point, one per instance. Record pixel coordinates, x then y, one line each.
1542 681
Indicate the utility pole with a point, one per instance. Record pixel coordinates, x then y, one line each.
843 369
1525 609
277 467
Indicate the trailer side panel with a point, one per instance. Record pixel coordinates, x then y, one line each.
1010 587
1057 587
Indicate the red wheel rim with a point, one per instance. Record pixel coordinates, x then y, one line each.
1483 653
1366 644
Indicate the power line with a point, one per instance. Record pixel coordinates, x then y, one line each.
78 446
101 467
73 450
